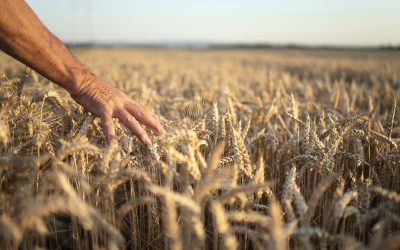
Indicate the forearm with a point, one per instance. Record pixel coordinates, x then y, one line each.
24 37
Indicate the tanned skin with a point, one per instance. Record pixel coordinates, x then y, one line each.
24 37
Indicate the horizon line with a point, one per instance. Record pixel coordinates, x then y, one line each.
221 45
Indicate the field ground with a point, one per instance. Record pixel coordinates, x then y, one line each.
265 149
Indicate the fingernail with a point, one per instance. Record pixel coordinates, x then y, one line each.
147 141
162 131
112 140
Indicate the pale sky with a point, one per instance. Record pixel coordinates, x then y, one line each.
312 22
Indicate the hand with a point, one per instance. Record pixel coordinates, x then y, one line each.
106 102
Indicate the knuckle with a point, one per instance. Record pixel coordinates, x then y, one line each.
108 123
124 120
107 110
142 113
106 118
130 119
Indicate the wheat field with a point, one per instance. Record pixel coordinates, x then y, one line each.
269 149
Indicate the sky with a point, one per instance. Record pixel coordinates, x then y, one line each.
307 22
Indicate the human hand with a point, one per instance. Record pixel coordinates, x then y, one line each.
106 102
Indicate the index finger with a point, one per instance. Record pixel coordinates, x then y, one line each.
108 128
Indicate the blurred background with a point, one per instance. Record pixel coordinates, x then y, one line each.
307 23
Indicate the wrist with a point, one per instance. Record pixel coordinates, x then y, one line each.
79 81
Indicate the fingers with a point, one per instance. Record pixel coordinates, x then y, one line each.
145 116
133 125
108 128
